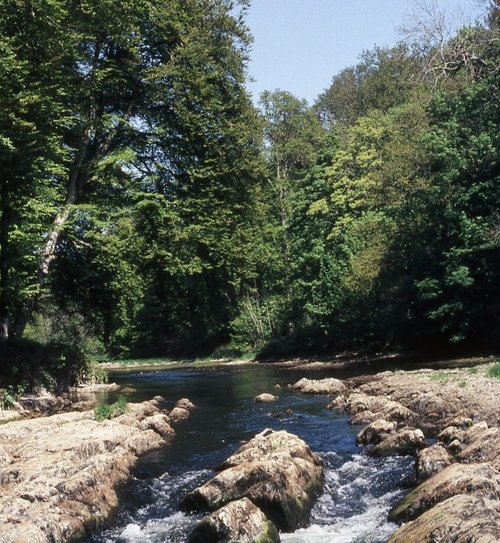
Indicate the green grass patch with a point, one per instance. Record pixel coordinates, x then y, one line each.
442 376
105 411
494 370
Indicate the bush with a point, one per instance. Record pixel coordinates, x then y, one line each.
104 411
10 394
54 366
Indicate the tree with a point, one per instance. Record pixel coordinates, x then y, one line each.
143 98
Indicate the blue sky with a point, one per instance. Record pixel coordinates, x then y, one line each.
299 45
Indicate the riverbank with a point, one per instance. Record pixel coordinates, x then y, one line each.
449 420
60 475
349 360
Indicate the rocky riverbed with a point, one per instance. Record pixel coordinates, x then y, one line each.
447 419
60 475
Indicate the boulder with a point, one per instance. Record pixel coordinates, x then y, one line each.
406 441
459 519
482 446
320 386
240 520
376 432
159 423
432 460
366 409
185 403
64 471
478 479
177 414
276 470
266 398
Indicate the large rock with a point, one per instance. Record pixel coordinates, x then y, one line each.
61 474
240 520
432 460
366 409
320 386
376 432
266 398
459 519
276 470
478 479
406 441
482 446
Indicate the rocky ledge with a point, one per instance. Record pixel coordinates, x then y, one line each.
269 484
60 475
458 495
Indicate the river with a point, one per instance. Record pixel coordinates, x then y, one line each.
358 492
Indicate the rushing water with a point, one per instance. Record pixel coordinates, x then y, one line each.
358 490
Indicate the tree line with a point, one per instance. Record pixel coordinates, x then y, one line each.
149 208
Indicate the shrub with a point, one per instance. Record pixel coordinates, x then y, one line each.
105 411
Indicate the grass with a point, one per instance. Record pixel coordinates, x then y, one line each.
447 377
105 411
167 361
494 370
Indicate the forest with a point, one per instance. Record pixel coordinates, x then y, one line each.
149 208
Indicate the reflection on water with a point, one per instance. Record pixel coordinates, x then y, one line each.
358 490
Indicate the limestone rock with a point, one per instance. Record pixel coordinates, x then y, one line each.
432 460
459 519
265 398
406 441
478 479
376 432
185 403
240 520
276 470
63 471
177 414
320 386
483 446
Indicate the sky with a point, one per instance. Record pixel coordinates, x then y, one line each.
299 45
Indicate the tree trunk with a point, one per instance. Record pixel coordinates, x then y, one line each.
5 220
48 252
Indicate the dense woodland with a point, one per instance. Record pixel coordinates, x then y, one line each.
149 208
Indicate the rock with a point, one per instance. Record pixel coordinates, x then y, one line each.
459 519
482 446
159 423
277 386
366 409
128 390
339 404
185 403
276 470
406 441
320 386
375 432
265 398
63 471
240 520
432 460
450 434
478 479
177 414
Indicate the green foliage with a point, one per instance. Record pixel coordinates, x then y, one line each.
494 370
102 412
148 209
10 394
105 411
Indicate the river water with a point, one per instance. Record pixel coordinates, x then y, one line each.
358 492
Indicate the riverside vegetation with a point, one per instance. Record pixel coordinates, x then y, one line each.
148 208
